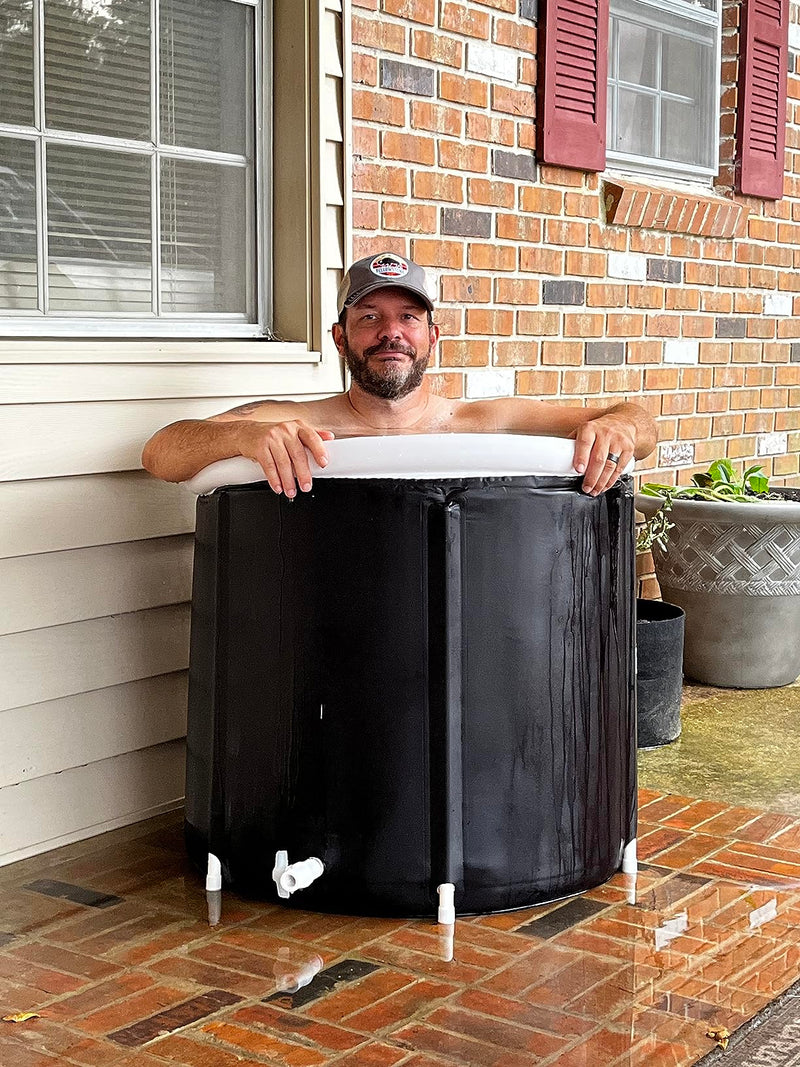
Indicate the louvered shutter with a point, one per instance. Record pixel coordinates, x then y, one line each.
572 83
761 128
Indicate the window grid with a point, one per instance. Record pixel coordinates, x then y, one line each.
645 13
143 323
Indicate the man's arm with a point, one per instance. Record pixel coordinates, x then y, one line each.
258 431
625 430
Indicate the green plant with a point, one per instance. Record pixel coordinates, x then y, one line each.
719 483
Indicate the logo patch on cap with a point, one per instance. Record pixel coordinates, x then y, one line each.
389 266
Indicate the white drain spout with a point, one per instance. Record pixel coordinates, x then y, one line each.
629 862
214 889
447 911
289 877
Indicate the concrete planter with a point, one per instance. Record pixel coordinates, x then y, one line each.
735 570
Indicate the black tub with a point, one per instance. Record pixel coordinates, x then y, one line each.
417 680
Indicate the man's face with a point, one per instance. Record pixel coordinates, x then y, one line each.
387 343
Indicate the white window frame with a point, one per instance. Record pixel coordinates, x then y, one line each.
649 11
22 323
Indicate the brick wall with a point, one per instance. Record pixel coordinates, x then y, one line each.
556 283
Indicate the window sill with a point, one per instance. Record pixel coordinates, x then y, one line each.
653 208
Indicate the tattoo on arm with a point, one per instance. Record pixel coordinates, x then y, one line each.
246 409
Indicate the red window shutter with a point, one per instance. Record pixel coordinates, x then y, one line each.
573 71
763 75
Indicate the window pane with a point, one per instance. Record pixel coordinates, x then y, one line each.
638 54
635 123
97 66
681 133
18 280
204 237
16 62
683 66
99 230
205 74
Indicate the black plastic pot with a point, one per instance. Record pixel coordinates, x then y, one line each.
659 672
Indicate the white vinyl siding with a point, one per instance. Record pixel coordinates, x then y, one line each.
95 555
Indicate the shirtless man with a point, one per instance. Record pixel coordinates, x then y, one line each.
386 335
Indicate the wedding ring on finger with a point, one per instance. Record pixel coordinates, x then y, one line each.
612 458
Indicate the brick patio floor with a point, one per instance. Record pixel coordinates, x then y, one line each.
108 942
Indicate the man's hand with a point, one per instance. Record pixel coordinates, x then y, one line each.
280 448
603 448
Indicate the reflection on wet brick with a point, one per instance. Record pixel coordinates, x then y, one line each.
668 893
191 1011
325 982
554 922
595 980
76 893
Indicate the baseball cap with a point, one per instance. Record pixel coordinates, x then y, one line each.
381 271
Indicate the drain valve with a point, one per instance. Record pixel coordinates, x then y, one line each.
289 877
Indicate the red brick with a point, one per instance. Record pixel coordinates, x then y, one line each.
541 260
471 91
581 205
583 382
485 256
538 382
365 214
583 324
437 48
456 156
518 102
516 353
604 294
436 117
432 185
539 323
379 107
438 253
539 199
489 128
365 142
378 34
408 147
462 353
497 322
562 353
519 228
413 10
586 264
492 193
412 218
374 178
466 288
562 232
624 324
517 291
465 20
365 69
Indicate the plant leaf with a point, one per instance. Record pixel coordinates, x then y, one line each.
721 470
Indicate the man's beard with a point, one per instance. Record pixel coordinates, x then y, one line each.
393 381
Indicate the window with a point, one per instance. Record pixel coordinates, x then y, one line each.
663 86
130 177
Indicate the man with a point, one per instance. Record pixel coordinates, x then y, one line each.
386 335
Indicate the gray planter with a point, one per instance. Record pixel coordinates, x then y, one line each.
735 570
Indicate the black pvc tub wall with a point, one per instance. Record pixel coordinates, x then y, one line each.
417 680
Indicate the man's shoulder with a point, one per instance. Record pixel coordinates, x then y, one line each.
270 410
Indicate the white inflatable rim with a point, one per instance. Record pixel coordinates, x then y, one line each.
415 457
